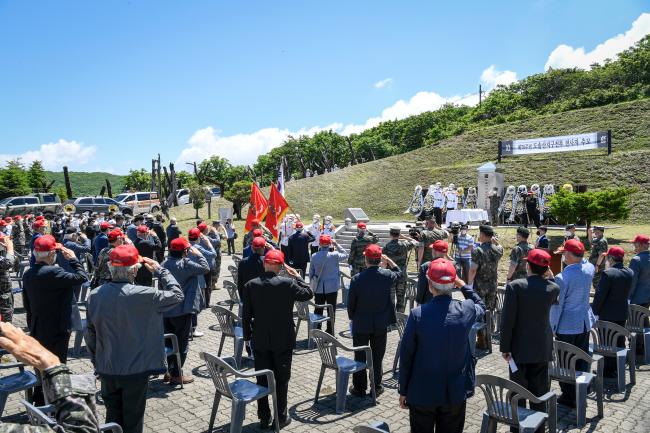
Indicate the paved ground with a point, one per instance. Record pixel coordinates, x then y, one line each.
170 409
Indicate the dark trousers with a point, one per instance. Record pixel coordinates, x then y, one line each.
284 249
231 245
279 362
302 267
533 377
377 343
125 400
581 341
207 290
437 215
313 250
326 298
181 327
438 419
58 345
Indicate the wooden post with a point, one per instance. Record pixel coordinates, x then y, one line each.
609 142
66 177
153 175
168 192
174 184
109 189
499 152
159 181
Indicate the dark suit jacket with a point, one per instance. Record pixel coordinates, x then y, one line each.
248 269
47 297
436 365
610 301
267 316
423 295
147 248
298 249
370 306
525 324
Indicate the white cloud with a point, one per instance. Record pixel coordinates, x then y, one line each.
492 77
383 83
565 56
57 154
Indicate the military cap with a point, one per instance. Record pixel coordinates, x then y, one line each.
599 228
486 229
570 226
523 231
395 230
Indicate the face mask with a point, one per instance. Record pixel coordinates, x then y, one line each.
463 232
567 233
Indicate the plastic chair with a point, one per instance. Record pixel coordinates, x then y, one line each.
228 325
312 319
401 324
502 397
241 391
79 325
16 382
233 272
637 320
345 288
174 350
605 337
563 369
43 415
411 291
236 259
233 295
473 332
375 427
344 367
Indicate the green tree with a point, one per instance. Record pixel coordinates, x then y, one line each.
138 180
183 178
36 175
13 179
61 192
197 197
215 170
603 205
239 194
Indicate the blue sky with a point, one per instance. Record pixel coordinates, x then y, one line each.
107 85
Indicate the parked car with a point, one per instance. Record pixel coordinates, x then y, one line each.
45 203
140 201
215 192
96 204
183 196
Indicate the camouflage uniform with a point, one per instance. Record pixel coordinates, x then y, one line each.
248 237
357 247
598 246
102 273
73 399
215 239
398 251
427 238
486 257
18 235
6 297
518 257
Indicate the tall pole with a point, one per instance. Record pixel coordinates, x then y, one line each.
480 95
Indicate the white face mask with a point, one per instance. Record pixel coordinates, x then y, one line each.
463 232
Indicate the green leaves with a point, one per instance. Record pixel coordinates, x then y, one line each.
603 205
14 180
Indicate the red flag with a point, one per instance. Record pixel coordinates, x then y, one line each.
278 207
258 207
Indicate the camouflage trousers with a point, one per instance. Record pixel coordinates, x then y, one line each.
487 290
398 294
6 301
216 272
596 279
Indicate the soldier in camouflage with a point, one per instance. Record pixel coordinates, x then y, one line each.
72 395
18 235
599 247
102 274
248 237
518 255
483 276
429 235
215 239
364 237
6 266
398 249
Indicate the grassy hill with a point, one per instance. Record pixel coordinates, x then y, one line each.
384 187
87 183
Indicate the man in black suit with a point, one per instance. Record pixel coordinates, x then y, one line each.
438 251
252 266
148 245
371 311
267 319
298 252
526 334
610 301
47 297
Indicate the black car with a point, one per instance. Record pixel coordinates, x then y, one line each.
95 204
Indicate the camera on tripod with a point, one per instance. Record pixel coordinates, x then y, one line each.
415 231
454 228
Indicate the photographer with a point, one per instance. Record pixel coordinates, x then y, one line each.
462 246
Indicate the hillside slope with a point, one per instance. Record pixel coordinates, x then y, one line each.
384 187
87 183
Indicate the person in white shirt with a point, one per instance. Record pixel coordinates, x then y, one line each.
438 203
314 229
286 230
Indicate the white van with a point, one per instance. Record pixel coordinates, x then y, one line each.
140 201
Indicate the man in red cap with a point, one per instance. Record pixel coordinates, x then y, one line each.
572 318
364 237
298 251
204 246
147 244
178 321
101 240
267 319
640 265
212 236
371 311
436 373
116 237
39 227
47 297
125 334
252 266
7 259
526 334
439 250
256 225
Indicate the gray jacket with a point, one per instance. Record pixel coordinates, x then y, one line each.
325 269
187 272
640 265
125 326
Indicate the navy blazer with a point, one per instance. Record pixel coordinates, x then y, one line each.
298 249
370 306
248 269
610 301
436 365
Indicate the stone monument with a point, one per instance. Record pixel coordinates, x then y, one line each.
489 177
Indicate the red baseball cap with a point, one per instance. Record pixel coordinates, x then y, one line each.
325 240
539 257
106 225
441 271
361 225
194 233
143 229
274 257
18 217
299 225
40 223
39 218
179 244
641 239
372 251
258 242
616 252
9 219
257 232
573 246
46 243
440 246
115 234
202 226
124 255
